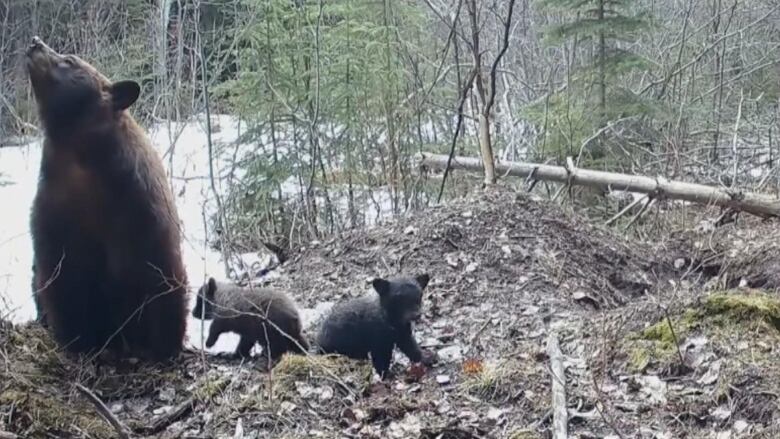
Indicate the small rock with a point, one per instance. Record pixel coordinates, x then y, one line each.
286 407
467 214
452 259
162 410
530 310
305 390
472 267
411 230
712 374
431 342
654 388
450 354
443 379
507 251
721 413
740 426
679 263
326 393
582 297
494 414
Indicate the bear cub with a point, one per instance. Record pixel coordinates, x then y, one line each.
256 314
376 323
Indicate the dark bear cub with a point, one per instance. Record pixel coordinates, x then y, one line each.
376 324
108 272
258 315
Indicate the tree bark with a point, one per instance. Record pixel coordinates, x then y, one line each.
754 203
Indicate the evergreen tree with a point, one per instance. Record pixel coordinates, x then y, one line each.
609 26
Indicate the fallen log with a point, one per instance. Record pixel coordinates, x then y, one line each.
754 203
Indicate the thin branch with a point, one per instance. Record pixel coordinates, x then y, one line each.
463 97
120 428
505 46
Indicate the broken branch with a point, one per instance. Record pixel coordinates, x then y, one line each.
560 413
120 428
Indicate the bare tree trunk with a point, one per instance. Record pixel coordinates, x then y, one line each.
487 97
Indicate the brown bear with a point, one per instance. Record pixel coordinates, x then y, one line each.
106 239
246 312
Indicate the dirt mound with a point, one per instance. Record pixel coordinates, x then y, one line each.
493 243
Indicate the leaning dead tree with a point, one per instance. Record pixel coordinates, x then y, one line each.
757 204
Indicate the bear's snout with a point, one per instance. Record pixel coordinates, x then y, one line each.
38 47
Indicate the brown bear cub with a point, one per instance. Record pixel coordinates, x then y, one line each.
258 315
108 272
376 323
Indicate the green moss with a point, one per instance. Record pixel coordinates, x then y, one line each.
723 317
657 342
638 358
662 330
53 414
211 388
746 306
348 375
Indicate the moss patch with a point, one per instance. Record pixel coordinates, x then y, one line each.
34 384
745 306
723 317
349 376
37 380
500 381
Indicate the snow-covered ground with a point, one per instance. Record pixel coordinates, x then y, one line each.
185 155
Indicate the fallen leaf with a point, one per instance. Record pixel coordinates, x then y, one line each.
415 372
473 366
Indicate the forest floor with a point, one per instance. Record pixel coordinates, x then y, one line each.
673 338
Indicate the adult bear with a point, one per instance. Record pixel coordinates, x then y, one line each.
108 269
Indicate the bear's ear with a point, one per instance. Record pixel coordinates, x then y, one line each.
124 94
381 286
422 280
212 288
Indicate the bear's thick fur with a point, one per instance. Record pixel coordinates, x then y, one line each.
376 324
108 271
259 315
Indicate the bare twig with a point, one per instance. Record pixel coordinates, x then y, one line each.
560 413
120 428
464 95
674 335
625 209
178 412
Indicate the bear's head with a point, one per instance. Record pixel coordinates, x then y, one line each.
204 303
71 94
401 297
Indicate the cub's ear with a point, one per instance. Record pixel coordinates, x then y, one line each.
423 280
212 287
124 94
381 286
